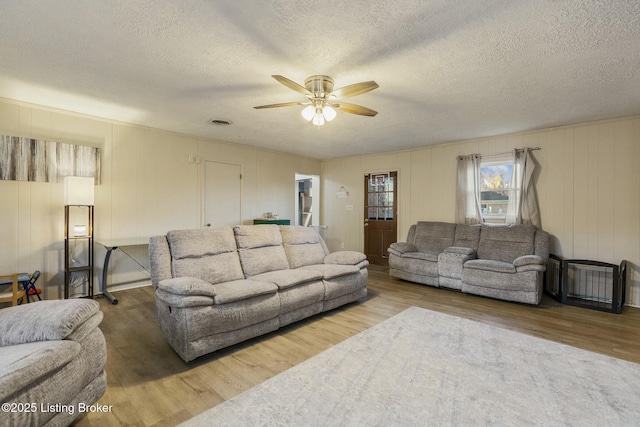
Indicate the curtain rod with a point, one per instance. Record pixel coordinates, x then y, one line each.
504 154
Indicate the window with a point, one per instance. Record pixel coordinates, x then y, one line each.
380 197
495 188
499 189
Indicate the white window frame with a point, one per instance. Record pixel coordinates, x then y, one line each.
488 213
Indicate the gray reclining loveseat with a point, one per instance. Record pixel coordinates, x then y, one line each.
216 287
52 362
499 261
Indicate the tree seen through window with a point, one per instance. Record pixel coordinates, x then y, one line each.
495 188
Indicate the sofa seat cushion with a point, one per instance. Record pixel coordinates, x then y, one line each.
490 265
285 279
331 271
424 256
239 290
24 364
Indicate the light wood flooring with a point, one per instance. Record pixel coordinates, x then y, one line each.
149 385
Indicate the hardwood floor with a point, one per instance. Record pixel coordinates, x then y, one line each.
149 385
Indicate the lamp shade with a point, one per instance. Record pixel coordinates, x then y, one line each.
308 112
318 118
329 113
78 190
80 230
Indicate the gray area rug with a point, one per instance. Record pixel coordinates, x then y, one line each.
424 368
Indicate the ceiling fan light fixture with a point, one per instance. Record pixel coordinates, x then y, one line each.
318 118
328 113
318 90
308 112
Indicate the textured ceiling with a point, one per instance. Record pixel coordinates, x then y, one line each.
448 70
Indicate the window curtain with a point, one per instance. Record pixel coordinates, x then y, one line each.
468 190
523 203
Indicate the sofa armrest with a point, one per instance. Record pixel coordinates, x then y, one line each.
346 258
399 248
185 292
48 321
187 286
528 260
530 263
460 250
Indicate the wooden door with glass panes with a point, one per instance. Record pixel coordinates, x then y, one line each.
380 213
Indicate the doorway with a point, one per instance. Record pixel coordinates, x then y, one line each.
307 199
222 194
380 215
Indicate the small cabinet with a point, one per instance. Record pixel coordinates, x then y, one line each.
272 221
78 248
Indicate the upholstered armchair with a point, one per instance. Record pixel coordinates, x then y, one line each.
51 353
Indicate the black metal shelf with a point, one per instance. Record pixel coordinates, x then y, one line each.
68 268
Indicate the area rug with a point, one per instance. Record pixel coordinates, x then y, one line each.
424 368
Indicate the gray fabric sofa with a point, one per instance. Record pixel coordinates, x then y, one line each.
216 287
499 261
52 362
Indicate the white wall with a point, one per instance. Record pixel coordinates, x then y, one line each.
148 187
588 189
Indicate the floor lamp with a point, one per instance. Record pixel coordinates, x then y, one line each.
78 192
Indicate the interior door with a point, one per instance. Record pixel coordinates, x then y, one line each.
380 212
222 194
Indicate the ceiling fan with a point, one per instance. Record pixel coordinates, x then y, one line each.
322 101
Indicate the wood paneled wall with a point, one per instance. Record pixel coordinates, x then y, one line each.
588 186
148 187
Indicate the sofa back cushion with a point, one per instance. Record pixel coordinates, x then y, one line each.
433 237
302 245
506 242
208 254
467 235
260 249
542 243
159 259
411 235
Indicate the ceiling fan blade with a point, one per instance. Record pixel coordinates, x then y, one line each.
354 89
353 109
284 104
292 85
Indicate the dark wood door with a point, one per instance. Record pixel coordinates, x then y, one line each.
380 212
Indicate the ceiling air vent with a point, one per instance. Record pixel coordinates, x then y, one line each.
219 122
